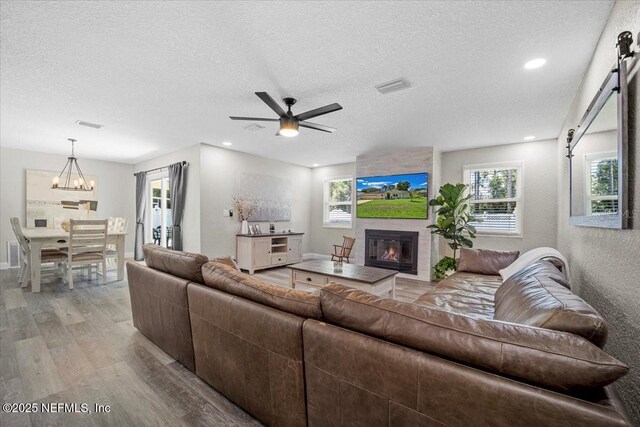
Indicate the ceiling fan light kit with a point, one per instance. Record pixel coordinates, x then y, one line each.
288 127
290 124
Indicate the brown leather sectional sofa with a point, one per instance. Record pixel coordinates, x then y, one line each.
472 351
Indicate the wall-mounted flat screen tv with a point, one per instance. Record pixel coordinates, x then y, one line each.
393 196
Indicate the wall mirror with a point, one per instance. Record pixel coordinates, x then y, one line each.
597 152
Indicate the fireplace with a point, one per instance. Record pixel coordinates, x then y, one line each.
394 250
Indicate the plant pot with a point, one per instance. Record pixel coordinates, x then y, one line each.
244 228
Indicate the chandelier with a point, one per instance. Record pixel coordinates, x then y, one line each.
72 181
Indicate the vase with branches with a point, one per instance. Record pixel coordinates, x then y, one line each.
244 208
453 224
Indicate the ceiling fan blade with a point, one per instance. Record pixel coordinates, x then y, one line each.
267 99
319 111
254 119
316 126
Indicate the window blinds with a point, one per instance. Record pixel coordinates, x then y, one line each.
495 198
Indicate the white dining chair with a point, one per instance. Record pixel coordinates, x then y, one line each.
117 224
87 246
48 256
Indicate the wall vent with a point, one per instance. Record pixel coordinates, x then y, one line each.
89 124
14 256
393 86
253 127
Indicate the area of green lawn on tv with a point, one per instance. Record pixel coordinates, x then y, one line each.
394 208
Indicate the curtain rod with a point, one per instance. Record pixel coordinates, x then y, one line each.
184 163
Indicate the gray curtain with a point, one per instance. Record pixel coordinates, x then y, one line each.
141 204
177 187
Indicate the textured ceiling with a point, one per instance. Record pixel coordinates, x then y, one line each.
166 75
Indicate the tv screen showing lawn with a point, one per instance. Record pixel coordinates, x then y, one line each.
393 196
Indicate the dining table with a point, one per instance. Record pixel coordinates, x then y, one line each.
40 238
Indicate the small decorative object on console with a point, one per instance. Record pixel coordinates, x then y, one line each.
245 209
337 266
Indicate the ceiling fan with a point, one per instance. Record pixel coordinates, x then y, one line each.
288 122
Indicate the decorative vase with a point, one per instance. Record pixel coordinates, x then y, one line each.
244 228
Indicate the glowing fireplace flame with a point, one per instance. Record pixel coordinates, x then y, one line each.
390 254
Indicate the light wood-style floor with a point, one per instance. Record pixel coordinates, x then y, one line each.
80 346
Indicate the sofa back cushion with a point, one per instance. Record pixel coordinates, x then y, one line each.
538 296
550 358
186 265
228 261
224 278
250 353
485 261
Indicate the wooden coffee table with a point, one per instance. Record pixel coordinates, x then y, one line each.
377 281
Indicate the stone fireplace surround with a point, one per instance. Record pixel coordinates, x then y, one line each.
399 161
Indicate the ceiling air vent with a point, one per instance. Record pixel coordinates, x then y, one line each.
89 124
393 86
253 127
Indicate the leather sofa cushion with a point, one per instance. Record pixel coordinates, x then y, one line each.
186 265
470 294
553 359
228 261
485 261
223 278
538 296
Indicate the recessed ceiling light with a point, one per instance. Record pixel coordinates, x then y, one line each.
227 143
315 165
529 138
535 63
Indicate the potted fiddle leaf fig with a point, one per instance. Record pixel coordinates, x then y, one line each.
453 224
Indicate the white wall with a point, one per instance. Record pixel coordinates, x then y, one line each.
539 191
220 172
115 188
191 220
323 238
604 263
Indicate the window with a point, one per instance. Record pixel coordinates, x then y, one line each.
338 202
496 197
602 183
158 223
